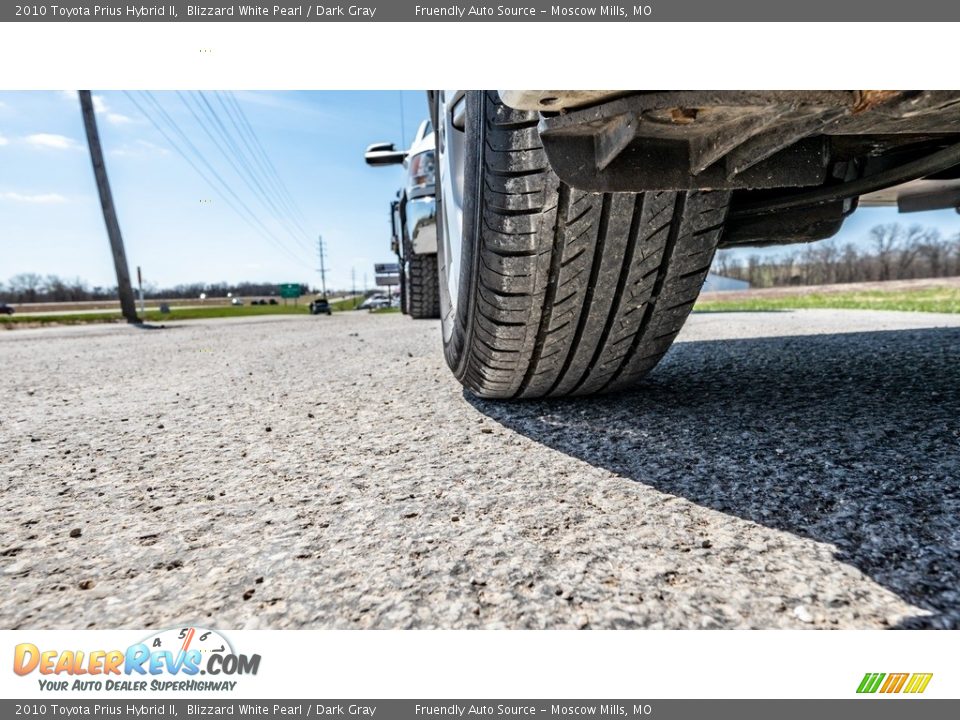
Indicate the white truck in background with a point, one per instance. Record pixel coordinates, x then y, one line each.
413 217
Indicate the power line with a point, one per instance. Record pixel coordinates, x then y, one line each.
217 183
269 178
253 184
219 178
266 158
286 212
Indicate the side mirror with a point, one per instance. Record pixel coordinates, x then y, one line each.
384 154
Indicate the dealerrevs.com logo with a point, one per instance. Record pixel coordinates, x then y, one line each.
890 683
169 660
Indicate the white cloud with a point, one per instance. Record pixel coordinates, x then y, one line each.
100 107
38 199
139 148
115 118
49 140
3 141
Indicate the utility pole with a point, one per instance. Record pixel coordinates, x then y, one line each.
143 307
353 285
124 288
323 270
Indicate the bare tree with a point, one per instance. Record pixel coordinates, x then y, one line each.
820 261
55 289
723 263
26 286
915 236
851 265
893 253
886 239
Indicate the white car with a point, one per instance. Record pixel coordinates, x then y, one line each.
576 227
374 302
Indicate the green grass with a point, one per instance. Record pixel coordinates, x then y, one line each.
65 319
940 300
153 316
222 311
383 311
349 304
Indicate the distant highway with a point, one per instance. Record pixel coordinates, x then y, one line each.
105 311
99 307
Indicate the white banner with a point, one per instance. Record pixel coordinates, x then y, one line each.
485 664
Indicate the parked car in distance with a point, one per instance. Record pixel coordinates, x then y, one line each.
236 301
6 309
375 302
320 306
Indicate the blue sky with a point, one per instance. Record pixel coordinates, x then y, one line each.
50 220
856 229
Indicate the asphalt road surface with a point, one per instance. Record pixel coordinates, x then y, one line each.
795 469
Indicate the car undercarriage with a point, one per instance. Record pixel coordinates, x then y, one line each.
797 162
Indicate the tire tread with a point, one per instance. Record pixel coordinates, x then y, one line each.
577 293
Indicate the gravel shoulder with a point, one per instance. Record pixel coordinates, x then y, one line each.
778 470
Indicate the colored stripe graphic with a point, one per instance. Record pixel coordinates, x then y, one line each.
870 682
918 682
895 682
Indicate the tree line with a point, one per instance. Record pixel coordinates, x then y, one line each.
893 252
33 287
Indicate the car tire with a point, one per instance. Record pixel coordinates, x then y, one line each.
402 264
423 296
563 292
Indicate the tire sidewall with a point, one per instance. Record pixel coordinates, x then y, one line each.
457 321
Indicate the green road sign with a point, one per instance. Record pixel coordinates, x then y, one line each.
290 290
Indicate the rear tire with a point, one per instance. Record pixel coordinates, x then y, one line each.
563 292
402 264
423 296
